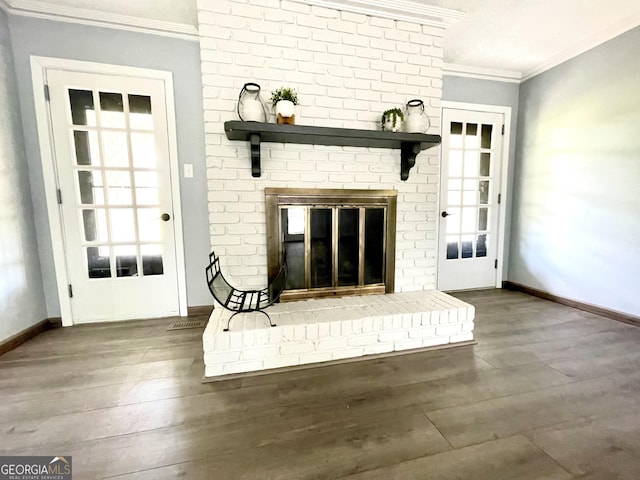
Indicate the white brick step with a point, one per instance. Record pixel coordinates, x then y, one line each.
312 331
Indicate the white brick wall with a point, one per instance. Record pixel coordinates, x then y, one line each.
347 69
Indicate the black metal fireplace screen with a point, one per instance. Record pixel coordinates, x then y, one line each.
337 242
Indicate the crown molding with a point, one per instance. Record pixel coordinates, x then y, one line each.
403 10
481 73
82 16
599 38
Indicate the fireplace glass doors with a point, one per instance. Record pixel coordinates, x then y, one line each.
337 242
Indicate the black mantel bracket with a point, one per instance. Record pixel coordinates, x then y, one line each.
410 144
254 141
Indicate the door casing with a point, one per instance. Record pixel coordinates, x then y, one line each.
39 65
504 179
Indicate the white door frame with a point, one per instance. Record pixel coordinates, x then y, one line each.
504 176
45 139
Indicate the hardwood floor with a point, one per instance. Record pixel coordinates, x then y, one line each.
549 392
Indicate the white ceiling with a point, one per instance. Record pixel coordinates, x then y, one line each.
528 36
504 38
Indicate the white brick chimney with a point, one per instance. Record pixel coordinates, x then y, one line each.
347 69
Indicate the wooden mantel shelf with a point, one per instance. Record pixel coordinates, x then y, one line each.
410 144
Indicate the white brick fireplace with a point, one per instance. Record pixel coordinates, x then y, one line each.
347 69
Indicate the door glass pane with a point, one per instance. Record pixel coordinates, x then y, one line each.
82 108
471 159
470 194
143 150
454 194
150 179
469 219
485 164
453 220
95 225
470 185
116 151
452 247
455 184
122 225
467 246
481 245
470 198
140 117
147 192
483 219
91 188
87 151
486 135
149 224
453 197
147 196
484 192
112 110
455 140
98 262
348 246
293 221
119 187
321 240
151 259
472 140
455 163
374 233
126 260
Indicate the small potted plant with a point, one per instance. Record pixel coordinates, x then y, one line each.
284 100
392 119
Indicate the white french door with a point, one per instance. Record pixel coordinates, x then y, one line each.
470 193
111 154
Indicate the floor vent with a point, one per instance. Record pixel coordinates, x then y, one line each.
182 325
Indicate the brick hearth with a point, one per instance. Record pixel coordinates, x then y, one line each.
322 330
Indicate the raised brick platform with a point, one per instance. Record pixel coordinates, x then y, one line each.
313 331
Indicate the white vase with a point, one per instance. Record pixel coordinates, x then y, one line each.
286 108
415 124
252 111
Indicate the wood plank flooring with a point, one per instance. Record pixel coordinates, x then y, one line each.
549 392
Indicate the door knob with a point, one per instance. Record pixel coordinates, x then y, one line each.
165 217
445 214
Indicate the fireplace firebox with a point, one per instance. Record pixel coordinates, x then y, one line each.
337 242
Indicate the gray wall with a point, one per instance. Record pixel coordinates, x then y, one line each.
21 296
488 92
181 57
576 228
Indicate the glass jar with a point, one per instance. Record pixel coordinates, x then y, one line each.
415 118
250 106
